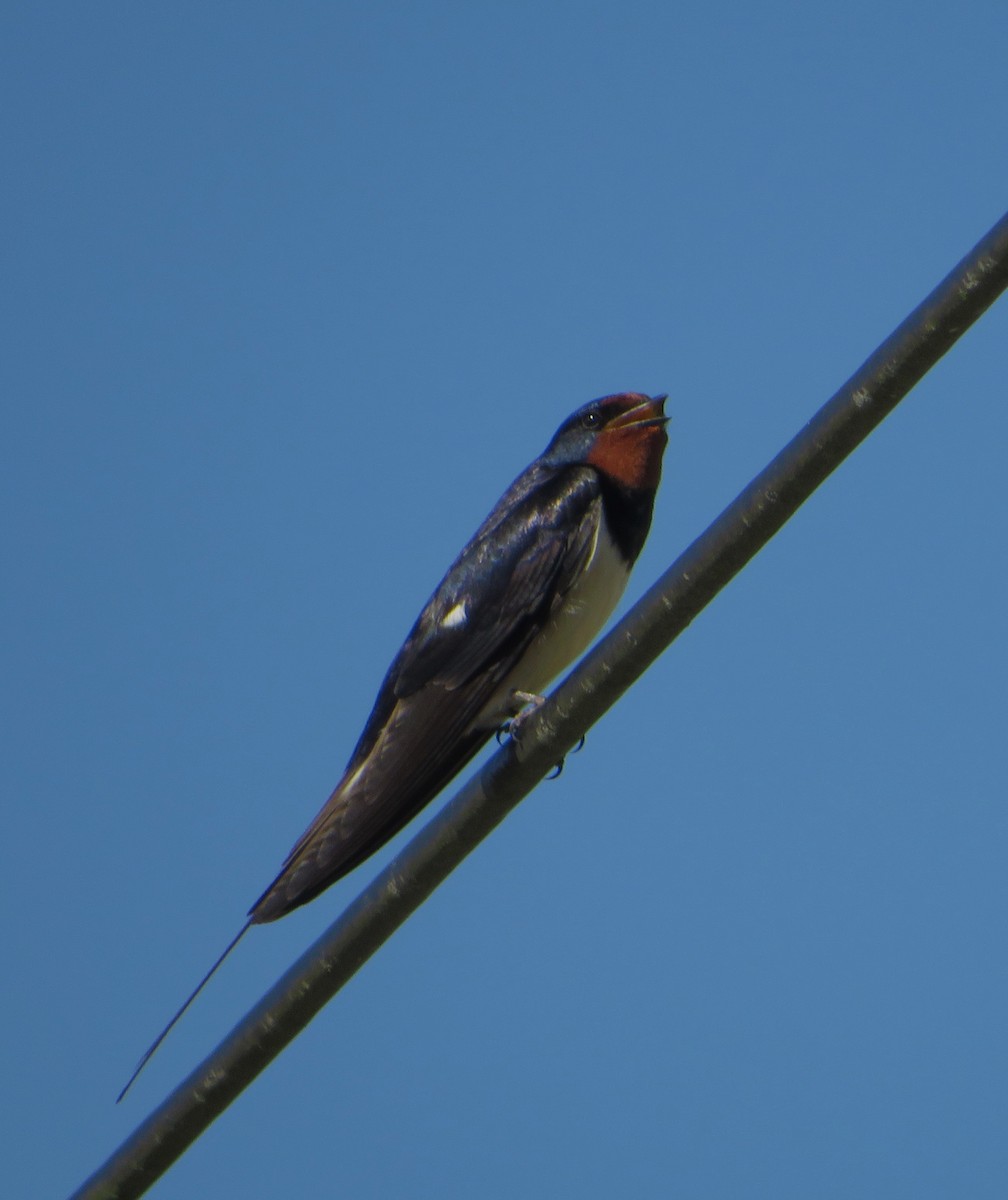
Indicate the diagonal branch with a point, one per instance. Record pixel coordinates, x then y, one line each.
592 688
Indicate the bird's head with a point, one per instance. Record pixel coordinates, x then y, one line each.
623 436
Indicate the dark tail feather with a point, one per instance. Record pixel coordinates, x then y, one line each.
174 1021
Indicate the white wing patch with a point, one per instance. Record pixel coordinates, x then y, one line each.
455 616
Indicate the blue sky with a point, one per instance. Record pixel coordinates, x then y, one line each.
291 292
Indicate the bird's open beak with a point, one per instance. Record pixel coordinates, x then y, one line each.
650 411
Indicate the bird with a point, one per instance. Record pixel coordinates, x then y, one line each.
525 597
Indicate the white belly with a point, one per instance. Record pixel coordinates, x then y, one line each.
571 630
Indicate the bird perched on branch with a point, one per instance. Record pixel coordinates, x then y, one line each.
526 596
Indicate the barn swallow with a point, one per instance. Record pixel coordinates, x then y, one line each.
526 596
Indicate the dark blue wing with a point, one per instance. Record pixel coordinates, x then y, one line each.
423 728
502 588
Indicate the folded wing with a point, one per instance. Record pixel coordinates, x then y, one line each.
425 725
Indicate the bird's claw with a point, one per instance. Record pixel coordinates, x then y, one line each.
575 749
531 703
512 727
527 703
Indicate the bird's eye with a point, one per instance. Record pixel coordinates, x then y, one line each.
590 419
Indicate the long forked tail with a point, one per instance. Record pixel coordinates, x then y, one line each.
174 1021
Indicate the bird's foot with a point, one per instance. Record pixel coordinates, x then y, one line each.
525 703
530 703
